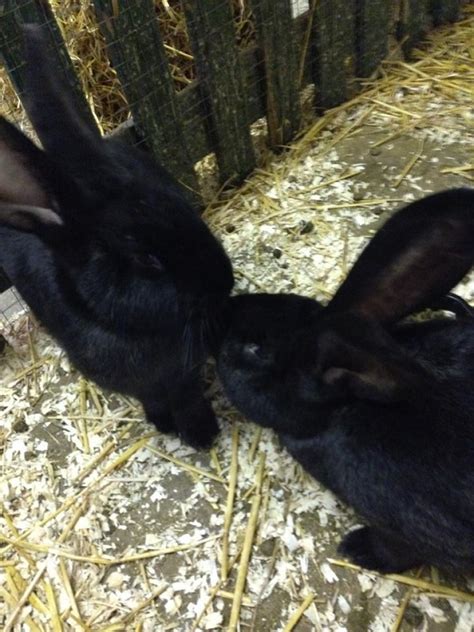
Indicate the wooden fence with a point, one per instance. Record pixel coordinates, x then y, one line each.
330 44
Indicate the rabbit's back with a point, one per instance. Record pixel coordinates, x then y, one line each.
112 358
409 468
445 346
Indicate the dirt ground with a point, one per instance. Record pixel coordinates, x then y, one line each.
108 523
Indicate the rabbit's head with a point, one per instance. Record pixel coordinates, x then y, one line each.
285 355
99 200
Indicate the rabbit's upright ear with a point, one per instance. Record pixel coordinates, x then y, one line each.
358 357
65 134
420 253
25 201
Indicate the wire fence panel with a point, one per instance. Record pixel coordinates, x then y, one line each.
373 21
138 55
334 50
234 61
275 27
188 78
14 13
445 10
212 35
414 21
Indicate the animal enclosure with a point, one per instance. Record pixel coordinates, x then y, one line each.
230 64
188 79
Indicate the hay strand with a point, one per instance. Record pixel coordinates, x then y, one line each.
423 585
230 502
186 466
296 616
247 548
415 158
9 623
215 589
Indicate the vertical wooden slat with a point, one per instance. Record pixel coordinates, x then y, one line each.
14 13
276 37
445 10
373 20
136 50
212 36
413 23
334 50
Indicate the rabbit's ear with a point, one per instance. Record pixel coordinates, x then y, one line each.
25 202
420 253
28 218
65 134
375 370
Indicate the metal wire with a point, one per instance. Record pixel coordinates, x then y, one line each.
83 28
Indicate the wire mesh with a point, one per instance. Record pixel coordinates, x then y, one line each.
11 304
113 47
82 27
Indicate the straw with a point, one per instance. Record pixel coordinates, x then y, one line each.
406 170
230 502
296 616
186 466
404 604
215 589
24 598
247 548
428 587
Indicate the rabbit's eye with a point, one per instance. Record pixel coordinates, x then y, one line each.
130 239
149 261
252 351
258 356
153 262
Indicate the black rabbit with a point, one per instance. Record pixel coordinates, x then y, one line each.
381 413
110 256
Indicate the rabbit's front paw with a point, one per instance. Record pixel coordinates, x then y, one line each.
160 416
198 428
374 549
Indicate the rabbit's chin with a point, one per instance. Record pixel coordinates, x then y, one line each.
206 320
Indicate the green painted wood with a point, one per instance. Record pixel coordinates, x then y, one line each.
373 22
221 85
14 13
198 140
334 48
445 10
137 53
276 37
414 23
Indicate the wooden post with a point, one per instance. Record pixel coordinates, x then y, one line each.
277 41
334 50
445 10
413 24
14 13
136 50
373 20
212 36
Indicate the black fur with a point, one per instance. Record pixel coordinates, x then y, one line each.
382 414
110 256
